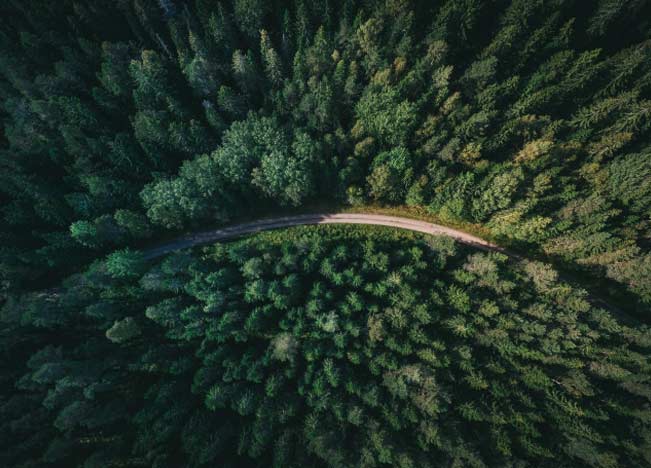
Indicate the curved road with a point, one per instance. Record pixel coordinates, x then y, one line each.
237 230
206 237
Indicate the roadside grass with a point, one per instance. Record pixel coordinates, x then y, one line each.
335 232
422 214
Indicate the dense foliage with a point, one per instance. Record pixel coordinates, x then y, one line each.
125 117
325 347
126 121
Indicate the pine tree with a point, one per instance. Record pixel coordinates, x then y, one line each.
271 60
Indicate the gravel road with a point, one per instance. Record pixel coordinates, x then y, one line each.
206 237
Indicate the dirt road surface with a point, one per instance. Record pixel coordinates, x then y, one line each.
238 230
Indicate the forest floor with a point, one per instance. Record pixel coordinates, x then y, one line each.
410 222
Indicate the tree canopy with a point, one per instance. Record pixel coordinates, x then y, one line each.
327 346
127 122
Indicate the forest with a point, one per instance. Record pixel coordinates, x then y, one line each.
330 346
128 122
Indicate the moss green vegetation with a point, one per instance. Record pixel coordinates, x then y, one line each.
126 122
329 346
